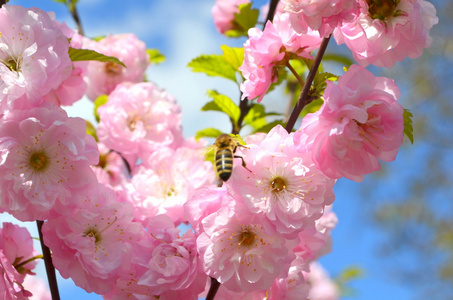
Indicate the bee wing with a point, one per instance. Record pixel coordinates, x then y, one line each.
238 139
209 153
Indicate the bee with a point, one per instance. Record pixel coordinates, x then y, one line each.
225 146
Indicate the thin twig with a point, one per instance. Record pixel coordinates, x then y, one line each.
50 269
75 15
302 101
300 80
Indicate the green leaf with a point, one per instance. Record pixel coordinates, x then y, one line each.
211 106
208 133
60 1
213 65
101 100
91 131
312 107
224 104
85 54
256 117
247 17
234 56
243 21
266 128
408 126
155 57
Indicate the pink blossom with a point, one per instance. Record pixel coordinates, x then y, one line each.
11 281
281 185
223 13
103 77
316 241
292 287
111 169
320 15
74 87
171 260
34 56
45 156
382 36
203 202
268 49
359 123
138 119
17 246
92 243
236 250
167 180
322 287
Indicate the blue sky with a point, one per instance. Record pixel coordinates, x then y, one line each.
182 30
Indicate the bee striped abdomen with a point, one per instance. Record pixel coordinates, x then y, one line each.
224 163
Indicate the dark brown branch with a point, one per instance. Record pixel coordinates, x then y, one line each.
244 106
213 289
302 101
271 13
75 16
50 269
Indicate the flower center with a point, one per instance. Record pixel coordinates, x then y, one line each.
93 233
12 64
39 161
382 9
112 69
132 122
278 184
247 238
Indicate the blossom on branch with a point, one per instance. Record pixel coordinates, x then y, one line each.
74 87
281 185
236 250
16 261
92 243
103 77
223 14
167 180
171 260
45 157
359 123
34 56
138 119
266 50
385 33
319 15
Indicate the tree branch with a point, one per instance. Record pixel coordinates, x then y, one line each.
302 101
50 269
271 13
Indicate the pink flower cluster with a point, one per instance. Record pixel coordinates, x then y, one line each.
17 260
376 33
383 36
260 228
266 50
359 123
101 77
115 207
320 15
34 56
100 210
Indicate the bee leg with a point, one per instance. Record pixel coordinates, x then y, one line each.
243 162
